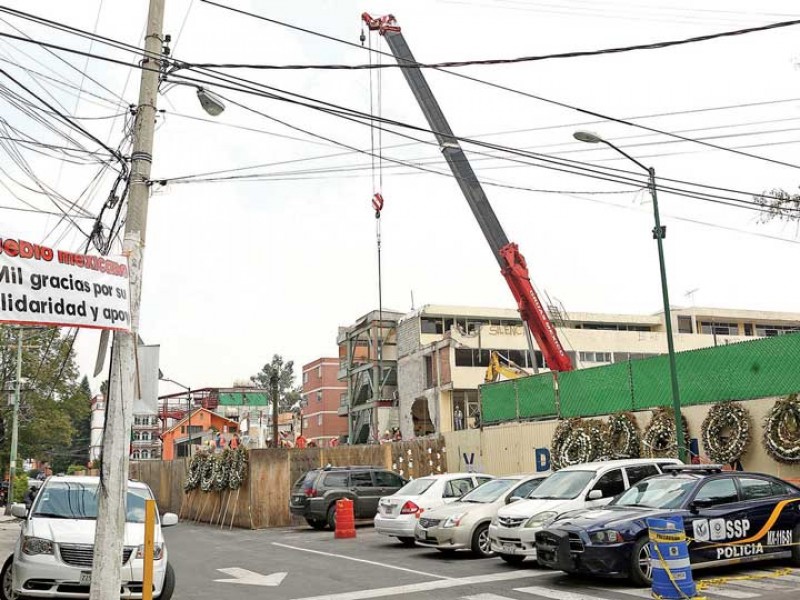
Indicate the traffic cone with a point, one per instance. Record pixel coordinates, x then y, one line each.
345 520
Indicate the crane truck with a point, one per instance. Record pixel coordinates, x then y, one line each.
512 264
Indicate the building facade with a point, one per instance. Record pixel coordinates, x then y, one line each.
195 429
443 351
145 437
322 395
368 369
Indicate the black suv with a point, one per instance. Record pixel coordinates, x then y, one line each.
314 495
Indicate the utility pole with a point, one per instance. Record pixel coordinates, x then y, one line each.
273 380
108 539
12 467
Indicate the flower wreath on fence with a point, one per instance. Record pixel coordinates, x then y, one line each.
578 441
660 439
726 432
217 472
782 430
624 439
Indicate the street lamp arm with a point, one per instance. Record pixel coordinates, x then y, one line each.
625 154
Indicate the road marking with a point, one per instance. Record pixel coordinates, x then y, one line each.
729 593
363 560
793 578
245 577
427 586
554 594
758 584
485 597
639 593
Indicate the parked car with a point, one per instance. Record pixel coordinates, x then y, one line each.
398 514
314 495
730 517
513 530
464 524
54 553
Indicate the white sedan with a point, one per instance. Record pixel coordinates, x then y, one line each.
398 514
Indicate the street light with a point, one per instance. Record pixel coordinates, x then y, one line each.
210 102
658 234
189 400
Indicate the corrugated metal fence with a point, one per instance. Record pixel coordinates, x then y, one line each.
753 369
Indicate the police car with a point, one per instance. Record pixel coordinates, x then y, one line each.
730 517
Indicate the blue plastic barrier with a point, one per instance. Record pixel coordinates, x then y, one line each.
669 557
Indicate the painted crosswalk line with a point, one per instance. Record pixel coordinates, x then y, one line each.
555 594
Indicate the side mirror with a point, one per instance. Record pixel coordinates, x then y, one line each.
514 499
169 519
595 495
19 510
695 506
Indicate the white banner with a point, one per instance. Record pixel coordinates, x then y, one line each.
43 286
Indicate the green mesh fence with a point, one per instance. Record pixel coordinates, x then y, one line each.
537 396
596 391
755 369
498 402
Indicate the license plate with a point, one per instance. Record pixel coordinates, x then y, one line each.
509 547
86 578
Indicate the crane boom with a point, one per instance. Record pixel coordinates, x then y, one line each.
512 264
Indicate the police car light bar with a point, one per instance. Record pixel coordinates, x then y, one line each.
692 468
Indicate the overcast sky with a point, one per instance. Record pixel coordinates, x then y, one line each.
236 271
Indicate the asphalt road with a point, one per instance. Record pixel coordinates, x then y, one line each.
319 567
301 564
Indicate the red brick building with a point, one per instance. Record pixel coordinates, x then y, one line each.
322 393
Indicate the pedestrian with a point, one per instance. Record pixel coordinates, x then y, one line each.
234 443
458 419
30 496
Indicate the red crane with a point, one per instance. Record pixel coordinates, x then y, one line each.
512 264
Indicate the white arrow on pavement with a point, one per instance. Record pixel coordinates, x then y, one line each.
246 577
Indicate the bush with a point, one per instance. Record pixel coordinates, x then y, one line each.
20 486
72 469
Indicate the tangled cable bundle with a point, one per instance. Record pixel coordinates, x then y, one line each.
726 432
660 439
624 439
782 430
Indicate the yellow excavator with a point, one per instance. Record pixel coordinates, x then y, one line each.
509 370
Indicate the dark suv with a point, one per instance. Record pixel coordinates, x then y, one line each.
314 495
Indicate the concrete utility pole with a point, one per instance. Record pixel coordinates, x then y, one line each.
12 467
274 397
108 539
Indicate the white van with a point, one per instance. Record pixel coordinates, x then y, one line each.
512 532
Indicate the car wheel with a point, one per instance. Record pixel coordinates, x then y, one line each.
316 524
6 589
795 546
481 545
331 518
169 584
641 570
512 559
408 542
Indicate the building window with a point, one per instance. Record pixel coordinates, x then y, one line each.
305 376
466 403
135 455
719 328
685 325
431 325
319 371
774 330
319 419
748 329
595 357
305 423
319 396
429 373
145 454
145 436
464 357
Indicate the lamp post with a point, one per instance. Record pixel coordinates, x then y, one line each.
658 234
189 405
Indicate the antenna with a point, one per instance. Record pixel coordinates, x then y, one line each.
412 299
690 295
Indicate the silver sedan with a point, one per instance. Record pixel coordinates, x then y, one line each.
464 525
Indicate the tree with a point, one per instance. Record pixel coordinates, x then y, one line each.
288 394
52 403
779 204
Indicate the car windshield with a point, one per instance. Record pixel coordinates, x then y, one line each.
563 485
489 491
658 492
74 500
416 487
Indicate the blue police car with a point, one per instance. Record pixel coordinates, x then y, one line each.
730 517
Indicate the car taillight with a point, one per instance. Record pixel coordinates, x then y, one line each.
310 492
409 508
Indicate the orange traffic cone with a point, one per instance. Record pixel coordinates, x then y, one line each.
345 521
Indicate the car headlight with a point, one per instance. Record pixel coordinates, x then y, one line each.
606 536
158 552
541 519
34 545
454 520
